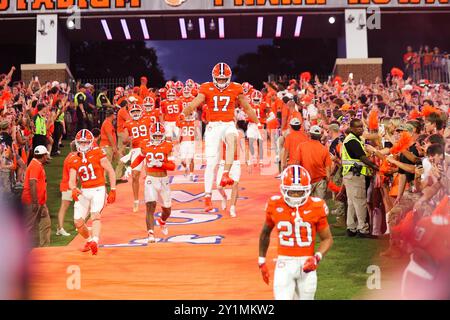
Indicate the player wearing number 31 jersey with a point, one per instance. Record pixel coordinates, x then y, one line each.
89 166
297 218
221 97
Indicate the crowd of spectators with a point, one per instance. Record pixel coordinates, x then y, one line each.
430 64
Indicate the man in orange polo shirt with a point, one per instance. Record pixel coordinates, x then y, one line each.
108 140
34 199
315 158
294 138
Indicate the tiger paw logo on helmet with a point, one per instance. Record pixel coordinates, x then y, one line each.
175 3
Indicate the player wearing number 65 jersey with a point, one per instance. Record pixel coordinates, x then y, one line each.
89 166
156 154
136 129
297 218
221 97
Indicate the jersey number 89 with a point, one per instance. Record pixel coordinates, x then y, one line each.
140 131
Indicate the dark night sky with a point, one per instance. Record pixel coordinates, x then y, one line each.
195 58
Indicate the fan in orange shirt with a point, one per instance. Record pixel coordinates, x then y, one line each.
297 218
136 130
89 166
221 95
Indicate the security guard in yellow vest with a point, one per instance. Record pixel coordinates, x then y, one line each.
102 104
40 129
81 104
356 166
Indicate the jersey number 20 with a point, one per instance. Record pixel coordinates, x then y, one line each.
286 238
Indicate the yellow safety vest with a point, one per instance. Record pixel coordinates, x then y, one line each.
40 125
75 99
99 103
348 162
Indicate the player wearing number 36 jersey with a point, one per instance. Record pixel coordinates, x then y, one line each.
221 96
89 165
297 218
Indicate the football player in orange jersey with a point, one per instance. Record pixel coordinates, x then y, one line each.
171 108
297 218
150 111
253 130
136 129
248 90
179 86
221 95
187 144
157 155
89 166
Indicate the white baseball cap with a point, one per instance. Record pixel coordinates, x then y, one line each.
315 130
40 150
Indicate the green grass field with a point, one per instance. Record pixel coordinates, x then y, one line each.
342 273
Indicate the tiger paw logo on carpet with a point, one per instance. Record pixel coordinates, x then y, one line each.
175 3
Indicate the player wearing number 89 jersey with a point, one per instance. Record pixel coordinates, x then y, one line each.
89 165
297 218
221 96
136 130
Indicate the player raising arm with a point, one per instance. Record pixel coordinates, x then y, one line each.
221 96
90 165
297 218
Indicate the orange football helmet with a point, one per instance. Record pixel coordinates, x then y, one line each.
179 86
84 140
221 71
170 84
135 111
295 185
247 87
157 133
149 104
190 83
187 92
256 97
171 94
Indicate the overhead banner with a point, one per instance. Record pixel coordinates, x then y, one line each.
52 6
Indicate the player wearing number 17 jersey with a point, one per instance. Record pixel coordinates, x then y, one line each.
89 166
136 129
156 155
221 96
297 218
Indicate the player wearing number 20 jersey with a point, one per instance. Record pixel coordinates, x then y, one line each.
297 218
89 165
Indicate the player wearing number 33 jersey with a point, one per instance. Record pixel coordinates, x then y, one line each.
297 218
89 166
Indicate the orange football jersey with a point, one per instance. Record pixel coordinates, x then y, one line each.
296 238
171 109
187 130
186 101
90 172
138 130
260 111
159 152
433 237
152 115
221 104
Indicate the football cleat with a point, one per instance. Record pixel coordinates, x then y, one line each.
87 247
151 237
94 247
163 226
226 180
208 204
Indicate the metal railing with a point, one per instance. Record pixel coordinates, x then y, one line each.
436 70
